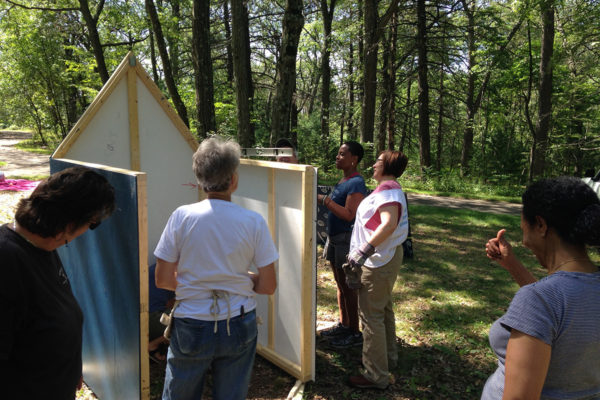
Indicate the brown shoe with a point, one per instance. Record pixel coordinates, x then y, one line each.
359 381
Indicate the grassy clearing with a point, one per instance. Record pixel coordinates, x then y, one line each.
445 300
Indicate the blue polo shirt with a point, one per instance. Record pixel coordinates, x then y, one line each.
354 184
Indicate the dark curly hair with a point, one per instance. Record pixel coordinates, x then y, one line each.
568 205
355 148
67 200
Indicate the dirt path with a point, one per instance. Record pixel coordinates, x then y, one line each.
496 207
21 163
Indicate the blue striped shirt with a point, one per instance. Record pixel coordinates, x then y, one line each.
563 311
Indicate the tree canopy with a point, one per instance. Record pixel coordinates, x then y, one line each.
499 91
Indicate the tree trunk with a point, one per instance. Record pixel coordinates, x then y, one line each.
424 140
385 99
91 23
388 120
155 75
240 42
540 140
440 130
173 41
369 71
391 111
164 55
373 29
228 39
203 69
471 77
327 13
407 113
350 124
292 24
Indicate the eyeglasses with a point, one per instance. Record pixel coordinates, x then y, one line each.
94 225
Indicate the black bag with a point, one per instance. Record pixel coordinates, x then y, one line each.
408 245
408 248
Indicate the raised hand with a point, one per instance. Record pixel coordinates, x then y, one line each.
498 248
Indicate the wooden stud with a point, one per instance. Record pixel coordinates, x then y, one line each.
307 334
292 368
132 105
273 228
142 192
167 108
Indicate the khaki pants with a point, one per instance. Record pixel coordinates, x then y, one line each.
377 317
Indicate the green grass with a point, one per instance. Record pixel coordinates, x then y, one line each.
35 146
445 300
450 186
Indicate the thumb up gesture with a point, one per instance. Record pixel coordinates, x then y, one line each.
498 248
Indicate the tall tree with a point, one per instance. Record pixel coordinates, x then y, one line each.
293 21
327 16
373 29
244 88
229 62
387 127
166 62
91 22
474 95
424 138
203 69
540 140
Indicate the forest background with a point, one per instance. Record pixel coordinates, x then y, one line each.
491 92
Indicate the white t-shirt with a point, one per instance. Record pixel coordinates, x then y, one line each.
367 221
215 242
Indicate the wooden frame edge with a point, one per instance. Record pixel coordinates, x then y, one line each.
272 227
142 200
164 104
133 114
307 334
293 369
92 109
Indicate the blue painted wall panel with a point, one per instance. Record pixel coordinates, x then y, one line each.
103 267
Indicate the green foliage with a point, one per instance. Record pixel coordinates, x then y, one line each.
48 76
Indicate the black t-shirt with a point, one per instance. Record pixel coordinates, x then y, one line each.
41 323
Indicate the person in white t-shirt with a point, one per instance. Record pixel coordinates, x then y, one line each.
375 257
205 254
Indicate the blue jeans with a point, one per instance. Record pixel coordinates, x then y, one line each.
195 348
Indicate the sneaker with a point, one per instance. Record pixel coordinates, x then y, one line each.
346 341
359 381
334 331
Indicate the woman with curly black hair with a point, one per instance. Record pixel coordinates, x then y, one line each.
548 342
41 330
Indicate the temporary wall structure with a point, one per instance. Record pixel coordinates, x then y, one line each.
132 136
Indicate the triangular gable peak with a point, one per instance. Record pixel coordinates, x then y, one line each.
113 129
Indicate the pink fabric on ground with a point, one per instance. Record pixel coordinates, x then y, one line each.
18 184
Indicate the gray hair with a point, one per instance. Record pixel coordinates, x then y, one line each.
215 162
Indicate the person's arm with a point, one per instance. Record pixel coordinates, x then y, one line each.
265 282
389 222
165 275
527 361
388 215
499 250
347 212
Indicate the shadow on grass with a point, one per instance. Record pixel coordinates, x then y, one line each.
423 372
